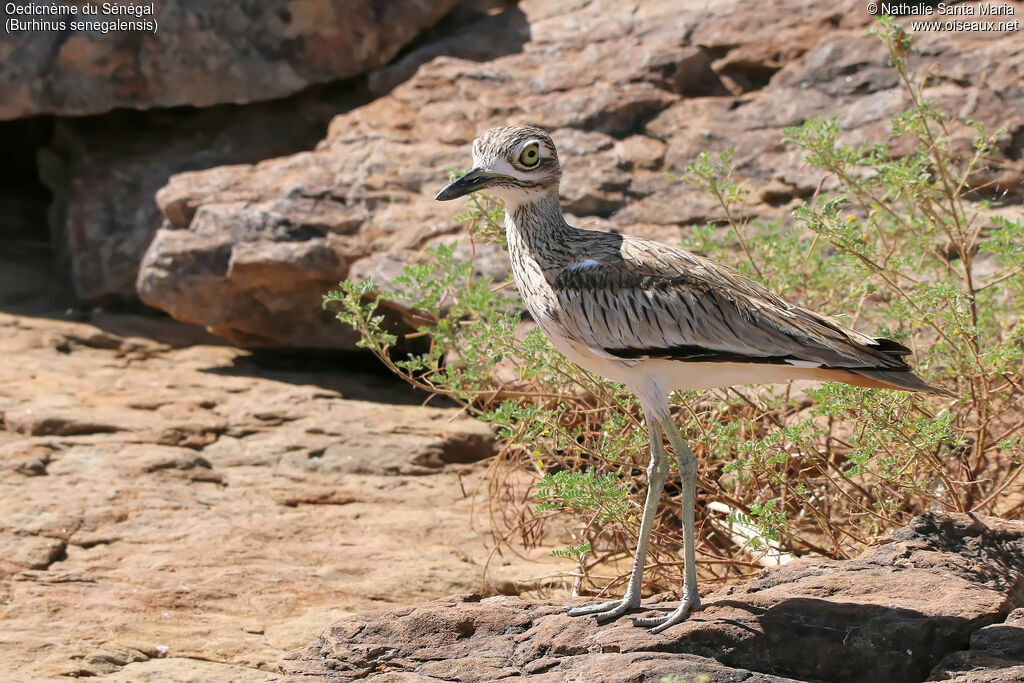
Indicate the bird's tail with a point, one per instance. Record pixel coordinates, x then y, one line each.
896 379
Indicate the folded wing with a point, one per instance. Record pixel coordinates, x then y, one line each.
653 301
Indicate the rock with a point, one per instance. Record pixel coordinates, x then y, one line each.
890 615
175 510
29 277
33 422
411 441
479 30
106 660
183 670
254 293
1013 674
996 653
188 269
482 641
198 53
29 552
104 172
629 90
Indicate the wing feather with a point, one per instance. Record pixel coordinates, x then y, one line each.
648 300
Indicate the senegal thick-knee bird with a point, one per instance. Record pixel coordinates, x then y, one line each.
657 318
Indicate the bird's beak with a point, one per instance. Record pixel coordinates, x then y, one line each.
477 179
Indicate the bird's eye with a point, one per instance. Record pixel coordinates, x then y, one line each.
530 156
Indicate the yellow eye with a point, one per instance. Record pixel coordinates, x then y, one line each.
530 156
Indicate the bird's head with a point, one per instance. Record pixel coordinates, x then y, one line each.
517 164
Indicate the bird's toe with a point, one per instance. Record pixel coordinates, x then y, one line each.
665 621
604 610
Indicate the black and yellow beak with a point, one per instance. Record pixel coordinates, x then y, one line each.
475 180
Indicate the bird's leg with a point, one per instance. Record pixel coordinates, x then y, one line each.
657 472
688 473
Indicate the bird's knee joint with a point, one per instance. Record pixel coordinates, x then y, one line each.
657 471
687 466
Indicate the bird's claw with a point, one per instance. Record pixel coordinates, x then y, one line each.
605 610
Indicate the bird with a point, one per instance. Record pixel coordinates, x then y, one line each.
657 318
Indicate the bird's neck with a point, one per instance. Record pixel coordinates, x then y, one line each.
536 226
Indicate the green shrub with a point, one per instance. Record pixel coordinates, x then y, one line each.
900 251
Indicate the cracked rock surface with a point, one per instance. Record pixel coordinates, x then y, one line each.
172 509
901 612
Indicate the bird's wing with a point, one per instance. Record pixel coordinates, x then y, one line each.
648 300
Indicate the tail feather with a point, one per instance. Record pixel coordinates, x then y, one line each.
889 347
900 379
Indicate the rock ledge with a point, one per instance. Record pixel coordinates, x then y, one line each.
915 608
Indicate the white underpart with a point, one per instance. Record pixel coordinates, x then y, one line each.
653 375
680 376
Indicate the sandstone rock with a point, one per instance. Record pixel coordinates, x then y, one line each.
178 511
199 53
890 615
104 172
257 293
34 422
182 670
479 30
996 654
29 552
1012 674
629 90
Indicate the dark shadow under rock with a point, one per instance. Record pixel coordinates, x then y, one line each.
890 615
996 654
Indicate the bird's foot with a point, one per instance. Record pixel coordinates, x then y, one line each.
606 610
665 621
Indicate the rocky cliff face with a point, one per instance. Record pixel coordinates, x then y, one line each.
629 90
103 163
